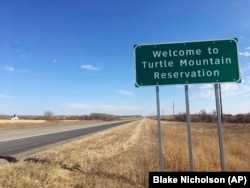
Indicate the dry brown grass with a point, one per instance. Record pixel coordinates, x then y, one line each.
205 144
123 156
119 157
20 124
7 121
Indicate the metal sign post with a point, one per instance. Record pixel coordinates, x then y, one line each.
195 62
218 109
189 130
159 128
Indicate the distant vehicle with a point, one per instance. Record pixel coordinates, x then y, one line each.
14 117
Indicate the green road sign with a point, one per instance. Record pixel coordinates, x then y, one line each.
213 61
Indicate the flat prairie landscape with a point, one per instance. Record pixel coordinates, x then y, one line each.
123 156
6 124
3 121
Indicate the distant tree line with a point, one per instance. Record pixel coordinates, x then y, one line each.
203 116
50 116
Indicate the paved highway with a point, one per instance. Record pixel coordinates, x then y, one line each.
16 146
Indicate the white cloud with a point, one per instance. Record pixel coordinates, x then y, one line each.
8 68
245 53
227 90
89 67
230 89
123 92
23 55
83 106
105 108
79 106
12 69
206 91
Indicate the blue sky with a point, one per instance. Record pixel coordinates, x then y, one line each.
77 57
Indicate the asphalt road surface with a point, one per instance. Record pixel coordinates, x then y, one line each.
16 146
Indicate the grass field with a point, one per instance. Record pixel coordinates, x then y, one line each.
7 121
6 124
123 156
